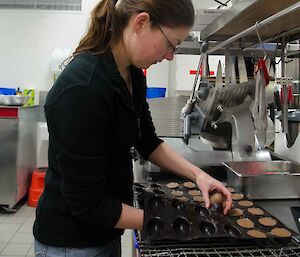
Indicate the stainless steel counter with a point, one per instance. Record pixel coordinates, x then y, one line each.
280 209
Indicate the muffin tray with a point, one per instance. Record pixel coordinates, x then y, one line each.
176 211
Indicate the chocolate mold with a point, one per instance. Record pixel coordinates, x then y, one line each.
204 212
178 205
181 217
155 227
233 231
156 203
207 228
181 226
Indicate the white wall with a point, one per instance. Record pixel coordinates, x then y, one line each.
27 39
158 75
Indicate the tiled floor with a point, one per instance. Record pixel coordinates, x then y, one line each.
16 237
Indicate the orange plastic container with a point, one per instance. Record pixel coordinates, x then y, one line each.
36 187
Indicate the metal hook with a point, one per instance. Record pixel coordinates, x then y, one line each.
280 60
260 41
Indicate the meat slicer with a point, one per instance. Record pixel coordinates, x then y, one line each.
221 118
217 126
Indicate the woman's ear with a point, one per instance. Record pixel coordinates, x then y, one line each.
140 20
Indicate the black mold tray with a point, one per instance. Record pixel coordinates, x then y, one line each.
183 217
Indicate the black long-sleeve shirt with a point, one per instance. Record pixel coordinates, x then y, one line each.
93 121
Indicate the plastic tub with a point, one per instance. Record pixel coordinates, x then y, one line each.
36 187
7 91
155 92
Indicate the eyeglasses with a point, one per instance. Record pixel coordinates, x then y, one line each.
174 48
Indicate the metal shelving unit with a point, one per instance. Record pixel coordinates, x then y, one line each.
248 25
236 28
274 20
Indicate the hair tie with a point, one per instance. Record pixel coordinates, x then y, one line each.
117 3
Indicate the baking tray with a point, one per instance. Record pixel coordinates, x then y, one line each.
168 217
265 180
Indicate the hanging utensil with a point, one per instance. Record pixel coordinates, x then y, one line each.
233 73
284 89
219 77
227 68
242 68
270 89
259 111
288 96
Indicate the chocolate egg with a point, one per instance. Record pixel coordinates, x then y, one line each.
216 198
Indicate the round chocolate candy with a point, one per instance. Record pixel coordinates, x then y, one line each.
245 223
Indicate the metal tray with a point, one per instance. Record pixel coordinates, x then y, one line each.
265 180
14 100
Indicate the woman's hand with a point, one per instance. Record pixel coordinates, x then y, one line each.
165 157
208 184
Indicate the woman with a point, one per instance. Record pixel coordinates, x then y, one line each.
96 111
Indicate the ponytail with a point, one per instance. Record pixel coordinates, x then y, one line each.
102 29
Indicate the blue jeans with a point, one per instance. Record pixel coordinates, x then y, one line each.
110 249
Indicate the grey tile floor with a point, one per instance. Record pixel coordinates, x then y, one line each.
16 237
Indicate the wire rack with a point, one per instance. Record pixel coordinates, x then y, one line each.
199 250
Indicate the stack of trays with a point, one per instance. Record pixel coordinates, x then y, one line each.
176 211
